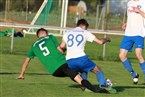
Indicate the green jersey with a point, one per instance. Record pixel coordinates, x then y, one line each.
45 49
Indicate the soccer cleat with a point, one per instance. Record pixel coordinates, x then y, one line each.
101 90
82 88
135 79
85 89
110 90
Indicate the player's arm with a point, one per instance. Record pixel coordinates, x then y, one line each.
60 49
102 40
137 10
57 44
123 26
91 38
23 69
62 46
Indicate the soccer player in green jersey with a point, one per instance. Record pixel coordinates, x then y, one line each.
46 48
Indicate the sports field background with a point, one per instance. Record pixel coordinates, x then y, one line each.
38 82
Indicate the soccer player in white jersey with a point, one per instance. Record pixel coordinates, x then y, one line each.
74 41
134 35
135 9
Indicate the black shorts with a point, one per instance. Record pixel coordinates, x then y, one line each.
65 71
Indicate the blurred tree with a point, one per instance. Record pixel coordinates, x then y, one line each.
20 5
37 4
34 5
91 4
73 2
31 4
7 8
101 1
17 5
2 5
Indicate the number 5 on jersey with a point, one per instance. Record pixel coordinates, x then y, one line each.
44 49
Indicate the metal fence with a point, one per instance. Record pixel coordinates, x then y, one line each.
63 16
102 17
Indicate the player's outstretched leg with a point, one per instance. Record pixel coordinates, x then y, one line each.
103 82
128 67
88 85
84 75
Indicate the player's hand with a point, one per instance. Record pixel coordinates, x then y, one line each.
20 77
124 26
135 9
64 49
107 39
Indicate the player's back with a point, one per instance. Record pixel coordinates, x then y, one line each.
75 40
45 49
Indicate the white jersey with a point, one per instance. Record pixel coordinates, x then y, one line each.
135 22
75 40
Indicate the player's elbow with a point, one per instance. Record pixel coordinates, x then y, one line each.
60 49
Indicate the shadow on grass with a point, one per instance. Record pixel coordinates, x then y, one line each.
143 84
122 88
118 88
13 73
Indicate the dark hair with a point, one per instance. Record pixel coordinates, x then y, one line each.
82 22
41 29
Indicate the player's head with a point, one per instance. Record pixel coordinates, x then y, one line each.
41 32
82 23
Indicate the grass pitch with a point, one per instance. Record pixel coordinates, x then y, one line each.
38 82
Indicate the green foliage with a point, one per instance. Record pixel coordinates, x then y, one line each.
21 5
2 5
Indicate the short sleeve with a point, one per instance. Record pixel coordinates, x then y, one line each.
31 53
90 36
64 37
55 41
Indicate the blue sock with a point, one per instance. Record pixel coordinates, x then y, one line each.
128 67
142 65
100 78
84 75
133 74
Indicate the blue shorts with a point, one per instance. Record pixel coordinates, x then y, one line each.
129 41
81 64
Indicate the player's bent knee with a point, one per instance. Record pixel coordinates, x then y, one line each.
139 56
122 57
96 69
